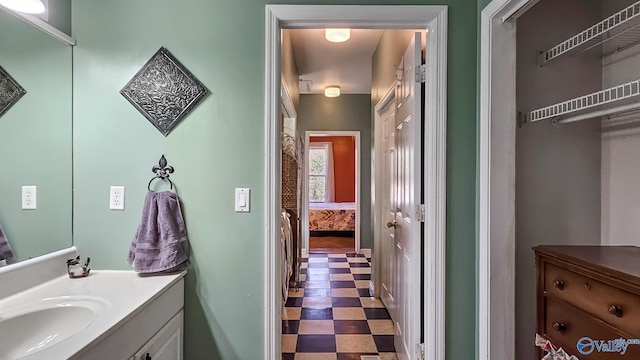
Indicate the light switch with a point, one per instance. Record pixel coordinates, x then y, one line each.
243 199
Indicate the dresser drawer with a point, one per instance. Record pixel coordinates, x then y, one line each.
610 304
564 325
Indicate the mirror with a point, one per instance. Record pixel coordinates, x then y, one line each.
36 139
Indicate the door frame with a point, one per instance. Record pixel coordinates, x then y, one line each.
305 197
496 210
430 17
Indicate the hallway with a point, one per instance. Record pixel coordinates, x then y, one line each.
333 316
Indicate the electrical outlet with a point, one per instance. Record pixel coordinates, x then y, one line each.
116 198
29 197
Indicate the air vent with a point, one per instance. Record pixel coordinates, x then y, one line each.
305 86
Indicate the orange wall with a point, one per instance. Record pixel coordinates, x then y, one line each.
344 166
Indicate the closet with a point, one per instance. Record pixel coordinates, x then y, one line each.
578 136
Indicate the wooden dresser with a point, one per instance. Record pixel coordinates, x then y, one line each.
588 291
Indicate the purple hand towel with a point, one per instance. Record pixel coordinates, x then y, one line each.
6 252
160 243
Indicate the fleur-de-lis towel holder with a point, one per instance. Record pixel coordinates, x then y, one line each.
162 171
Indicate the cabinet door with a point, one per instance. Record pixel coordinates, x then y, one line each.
166 344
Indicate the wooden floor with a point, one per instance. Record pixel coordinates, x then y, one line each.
331 244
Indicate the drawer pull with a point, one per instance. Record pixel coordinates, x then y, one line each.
615 310
587 285
559 326
558 284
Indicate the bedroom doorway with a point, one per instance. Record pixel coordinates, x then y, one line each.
331 200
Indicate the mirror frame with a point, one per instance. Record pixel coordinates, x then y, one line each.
44 26
68 40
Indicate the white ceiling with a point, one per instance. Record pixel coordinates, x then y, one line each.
324 63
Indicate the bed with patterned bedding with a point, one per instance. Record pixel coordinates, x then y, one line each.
332 216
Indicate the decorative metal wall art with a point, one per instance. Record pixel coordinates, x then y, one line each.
10 91
164 91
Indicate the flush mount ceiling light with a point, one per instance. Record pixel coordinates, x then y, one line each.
337 35
24 6
332 91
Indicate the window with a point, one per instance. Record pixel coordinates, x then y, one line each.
318 165
320 162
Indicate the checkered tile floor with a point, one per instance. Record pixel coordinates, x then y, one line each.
333 316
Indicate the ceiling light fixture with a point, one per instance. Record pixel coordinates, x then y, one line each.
332 91
337 35
24 6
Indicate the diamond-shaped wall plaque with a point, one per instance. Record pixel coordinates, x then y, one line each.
164 91
10 91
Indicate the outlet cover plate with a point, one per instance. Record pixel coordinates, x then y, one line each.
116 198
29 197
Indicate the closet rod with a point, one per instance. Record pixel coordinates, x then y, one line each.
611 111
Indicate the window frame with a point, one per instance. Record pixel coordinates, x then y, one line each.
324 146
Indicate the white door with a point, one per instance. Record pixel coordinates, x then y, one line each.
408 192
388 203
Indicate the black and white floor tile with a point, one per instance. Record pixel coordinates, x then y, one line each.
333 316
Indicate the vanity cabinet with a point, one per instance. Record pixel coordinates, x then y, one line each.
151 332
166 344
123 315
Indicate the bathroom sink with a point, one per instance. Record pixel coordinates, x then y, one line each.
34 326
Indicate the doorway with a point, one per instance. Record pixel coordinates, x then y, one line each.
497 173
331 198
431 279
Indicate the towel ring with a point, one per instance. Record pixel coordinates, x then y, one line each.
162 171
159 177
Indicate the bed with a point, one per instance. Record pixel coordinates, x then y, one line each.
332 216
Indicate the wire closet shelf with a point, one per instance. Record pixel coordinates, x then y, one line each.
599 98
613 34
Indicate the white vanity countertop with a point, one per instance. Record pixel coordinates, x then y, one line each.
125 293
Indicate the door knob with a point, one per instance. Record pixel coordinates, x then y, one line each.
392 224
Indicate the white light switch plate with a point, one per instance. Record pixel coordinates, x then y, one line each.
243 199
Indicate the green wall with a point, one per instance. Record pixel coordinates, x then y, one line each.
60 15
220 146
345 113
482 4
35 139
